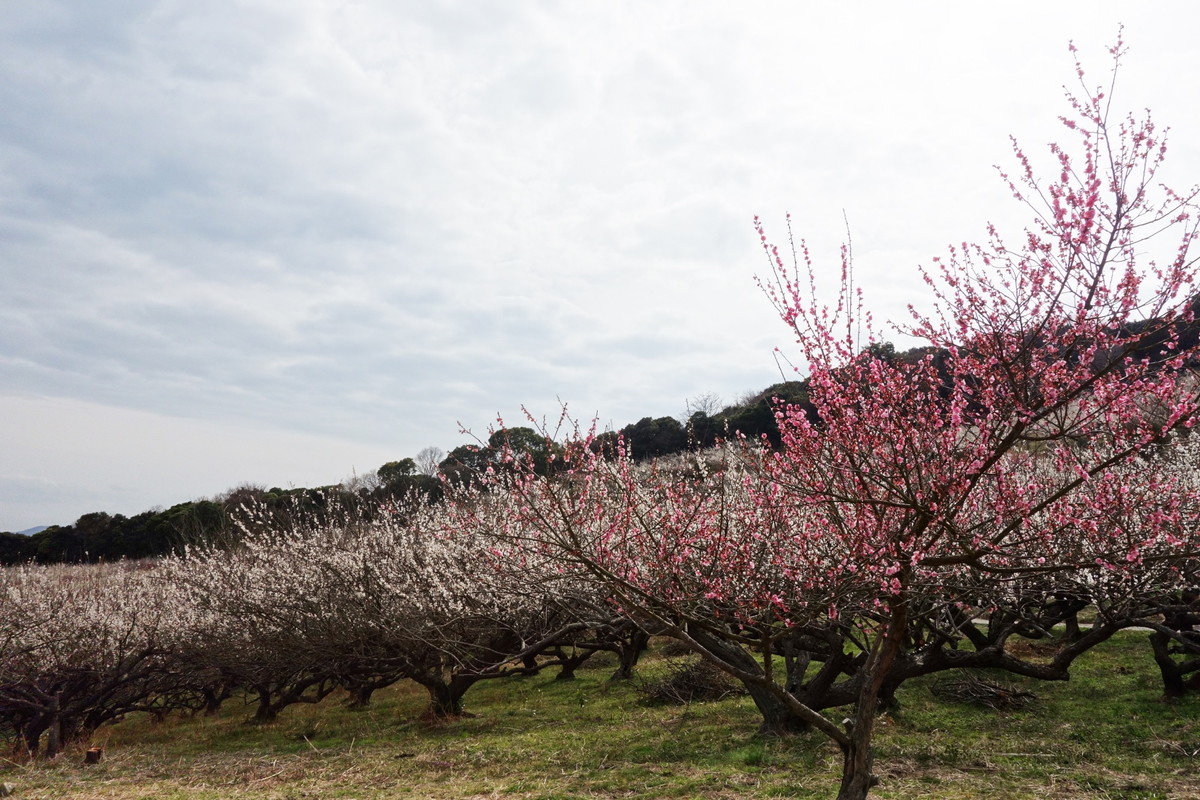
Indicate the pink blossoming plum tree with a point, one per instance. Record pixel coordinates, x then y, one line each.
1005 461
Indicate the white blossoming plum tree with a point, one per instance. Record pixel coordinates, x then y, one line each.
79 647
361 602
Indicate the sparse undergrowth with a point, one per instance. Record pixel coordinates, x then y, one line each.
1106 733
688 681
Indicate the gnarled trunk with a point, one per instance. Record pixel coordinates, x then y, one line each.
446 697
777 718
266 711
1174 674
629 652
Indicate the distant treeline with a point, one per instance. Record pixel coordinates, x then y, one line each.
100 536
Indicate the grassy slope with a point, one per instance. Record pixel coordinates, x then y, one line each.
1104 734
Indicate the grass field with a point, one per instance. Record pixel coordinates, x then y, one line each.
1104 734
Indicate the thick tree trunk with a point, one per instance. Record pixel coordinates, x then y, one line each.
1073 631
572 663
778 719
213 700
31 734
858 756
1172 678
443 703
446 697
53 745
266 711
887 697
360 696
857 761
54 728
629 653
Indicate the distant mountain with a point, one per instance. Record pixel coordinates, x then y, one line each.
32 531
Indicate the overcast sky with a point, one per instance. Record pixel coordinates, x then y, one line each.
281 241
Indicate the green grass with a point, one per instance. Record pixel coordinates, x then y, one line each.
1105 734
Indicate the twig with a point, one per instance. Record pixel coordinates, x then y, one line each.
268 777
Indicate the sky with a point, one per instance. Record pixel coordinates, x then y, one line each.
282 242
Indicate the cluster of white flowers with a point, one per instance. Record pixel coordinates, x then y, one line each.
286 615
79 647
